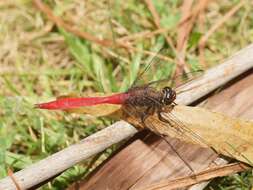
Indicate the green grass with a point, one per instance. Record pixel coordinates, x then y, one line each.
241 181
38 63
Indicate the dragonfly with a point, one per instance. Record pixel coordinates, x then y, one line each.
141 101
146 97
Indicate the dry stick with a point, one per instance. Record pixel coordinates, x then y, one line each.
106 43
220 22
66 158
197 178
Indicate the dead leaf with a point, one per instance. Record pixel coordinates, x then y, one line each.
228 136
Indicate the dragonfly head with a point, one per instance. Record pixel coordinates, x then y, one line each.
169 95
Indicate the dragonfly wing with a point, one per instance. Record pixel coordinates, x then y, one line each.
176 81
184 131
161 73
149 72
222 134
97 110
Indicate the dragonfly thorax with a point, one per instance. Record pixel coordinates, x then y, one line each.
169 95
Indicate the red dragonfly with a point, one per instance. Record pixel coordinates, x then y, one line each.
146 97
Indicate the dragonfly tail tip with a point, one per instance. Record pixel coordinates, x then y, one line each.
38 106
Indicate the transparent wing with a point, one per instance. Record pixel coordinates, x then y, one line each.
182 129
159 73
154 69
176 125
176 81
171 146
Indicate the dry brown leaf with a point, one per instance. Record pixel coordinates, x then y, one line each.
228 136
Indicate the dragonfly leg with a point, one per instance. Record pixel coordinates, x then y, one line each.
178 154
149 111
174 104
165 120
161 118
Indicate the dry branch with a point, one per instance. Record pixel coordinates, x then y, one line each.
197 178
60 161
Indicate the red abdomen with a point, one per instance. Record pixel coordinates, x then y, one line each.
69 103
